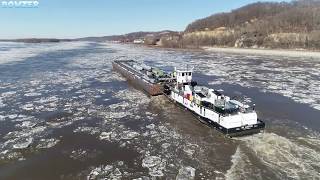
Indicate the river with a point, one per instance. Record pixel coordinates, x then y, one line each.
65 114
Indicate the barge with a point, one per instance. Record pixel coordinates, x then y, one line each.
229 116
150 79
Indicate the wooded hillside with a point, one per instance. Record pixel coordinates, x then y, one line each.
272 25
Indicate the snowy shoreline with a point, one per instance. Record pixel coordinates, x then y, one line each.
273 52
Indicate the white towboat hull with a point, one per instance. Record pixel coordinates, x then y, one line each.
215 118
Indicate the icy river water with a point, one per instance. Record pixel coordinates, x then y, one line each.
64 114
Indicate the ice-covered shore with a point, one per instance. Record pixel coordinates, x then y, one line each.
266 52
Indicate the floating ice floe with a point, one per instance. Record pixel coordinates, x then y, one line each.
12 116
1 103
150 126
22 52
127 135
10 155
105 172
23 138
47 143
2 118
89 130
28 107
32 94
186 173
105 136
25 132
165 145
21 118
23 143
151 161
190 149
155 165
117 115
8 94
27 124
79 154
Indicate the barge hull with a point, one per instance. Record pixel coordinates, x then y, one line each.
151 88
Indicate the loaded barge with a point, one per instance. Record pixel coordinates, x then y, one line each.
150 79
229 116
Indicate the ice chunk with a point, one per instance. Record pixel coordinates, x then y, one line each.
117 172
12 116
186 173
10 155
165 145
1 103
79 154
150 126
120 163
32 94
190 149
156 173
27 124
151 161
101 172
47 143
23 143
143 178
105 136
89 130
8 94
28 107
127 135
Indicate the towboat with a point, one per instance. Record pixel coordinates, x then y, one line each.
150 79
229 116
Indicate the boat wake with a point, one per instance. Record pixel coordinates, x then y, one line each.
289 158
241 167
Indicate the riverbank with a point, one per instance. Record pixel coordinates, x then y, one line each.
266 52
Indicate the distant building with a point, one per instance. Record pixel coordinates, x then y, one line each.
138 41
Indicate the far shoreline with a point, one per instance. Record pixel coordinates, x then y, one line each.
294 53
232 50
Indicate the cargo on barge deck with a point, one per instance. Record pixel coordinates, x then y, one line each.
141 76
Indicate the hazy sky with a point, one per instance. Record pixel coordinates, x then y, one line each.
79 18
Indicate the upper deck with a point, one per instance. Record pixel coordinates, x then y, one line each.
219 102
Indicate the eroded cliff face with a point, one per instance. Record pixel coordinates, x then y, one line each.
221 36
227 37
286 25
